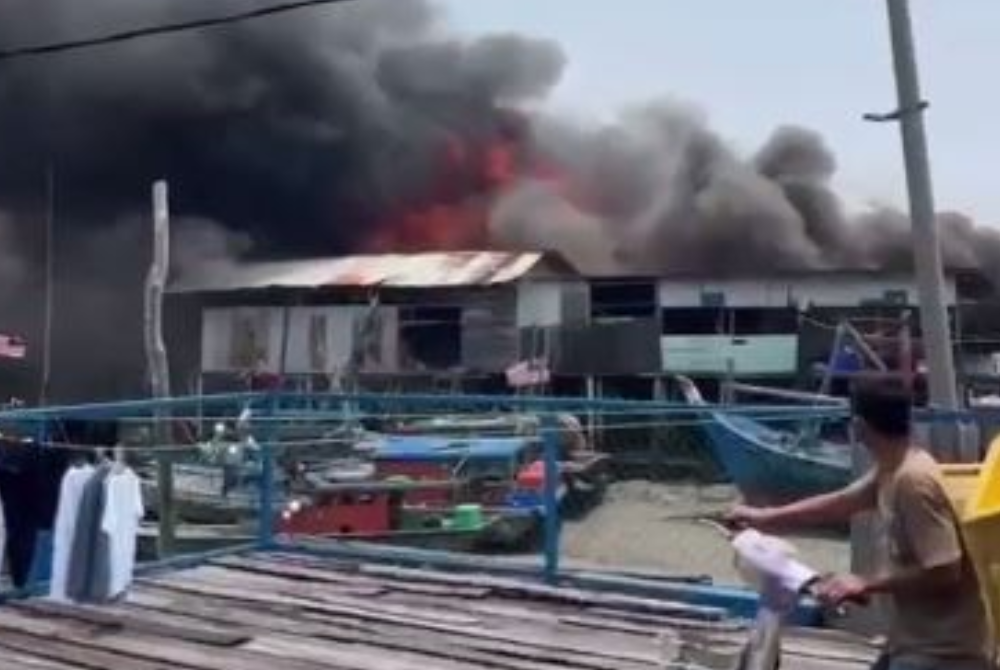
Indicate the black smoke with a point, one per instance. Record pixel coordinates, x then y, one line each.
669 195
303 134
300 132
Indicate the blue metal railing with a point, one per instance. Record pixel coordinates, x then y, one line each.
273 408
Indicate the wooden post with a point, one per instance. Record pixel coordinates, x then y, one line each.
551 436
265 522
286 318
50 197
591 413
726 396
838 339
157 364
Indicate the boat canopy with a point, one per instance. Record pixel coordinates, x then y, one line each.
428 448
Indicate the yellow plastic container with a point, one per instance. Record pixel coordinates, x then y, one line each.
960 481
978 507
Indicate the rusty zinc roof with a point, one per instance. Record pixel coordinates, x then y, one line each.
417 270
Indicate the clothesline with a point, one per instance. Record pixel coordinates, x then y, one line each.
822 415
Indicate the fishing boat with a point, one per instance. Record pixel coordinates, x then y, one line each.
498 471
199 496
375 512
380 512
769 465
218 483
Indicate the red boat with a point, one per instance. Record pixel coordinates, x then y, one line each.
381 511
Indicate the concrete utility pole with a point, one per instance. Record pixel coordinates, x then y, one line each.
926 248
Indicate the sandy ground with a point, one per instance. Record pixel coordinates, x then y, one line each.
634 529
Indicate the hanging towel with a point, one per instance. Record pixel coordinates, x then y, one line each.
123 510
66 520
88 577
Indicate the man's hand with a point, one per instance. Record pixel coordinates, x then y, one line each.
744 516
839 589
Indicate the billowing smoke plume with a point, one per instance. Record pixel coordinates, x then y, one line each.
309 133
660 191
359 127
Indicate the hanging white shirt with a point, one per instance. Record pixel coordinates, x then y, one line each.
65 527
123 510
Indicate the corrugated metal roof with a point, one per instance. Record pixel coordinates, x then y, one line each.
418 270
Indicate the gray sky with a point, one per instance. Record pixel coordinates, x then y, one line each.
752 65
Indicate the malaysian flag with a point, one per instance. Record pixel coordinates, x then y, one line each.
12 346
528 373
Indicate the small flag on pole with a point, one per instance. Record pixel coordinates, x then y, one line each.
528 373
12 347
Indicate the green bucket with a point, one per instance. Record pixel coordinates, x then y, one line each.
467 517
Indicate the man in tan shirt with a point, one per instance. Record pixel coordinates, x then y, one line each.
937 617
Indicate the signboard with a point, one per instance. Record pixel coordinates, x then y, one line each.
711 354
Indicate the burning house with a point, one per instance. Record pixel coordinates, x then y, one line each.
412 319
460 320
773 327
783 327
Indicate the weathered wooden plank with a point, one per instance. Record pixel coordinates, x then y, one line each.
58 651
517 639
338 576
356 655
532 641
606 624
236 575
472 631
211 579
22 663
835 635
795 663
107 618
174 653
792 648
527 590
858 646
810 642
515 654
266 612
497 611
12 660
663 620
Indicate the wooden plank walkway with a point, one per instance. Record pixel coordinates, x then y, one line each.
295 612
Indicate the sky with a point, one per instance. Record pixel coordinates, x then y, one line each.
754 65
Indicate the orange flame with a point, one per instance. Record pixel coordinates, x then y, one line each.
473 177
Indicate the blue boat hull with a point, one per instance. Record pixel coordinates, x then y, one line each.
770 473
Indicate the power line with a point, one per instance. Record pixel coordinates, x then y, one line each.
162 29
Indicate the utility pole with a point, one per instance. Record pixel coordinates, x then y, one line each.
926 247
50 199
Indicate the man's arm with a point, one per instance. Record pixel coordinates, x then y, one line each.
827 508
839 589
941 579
